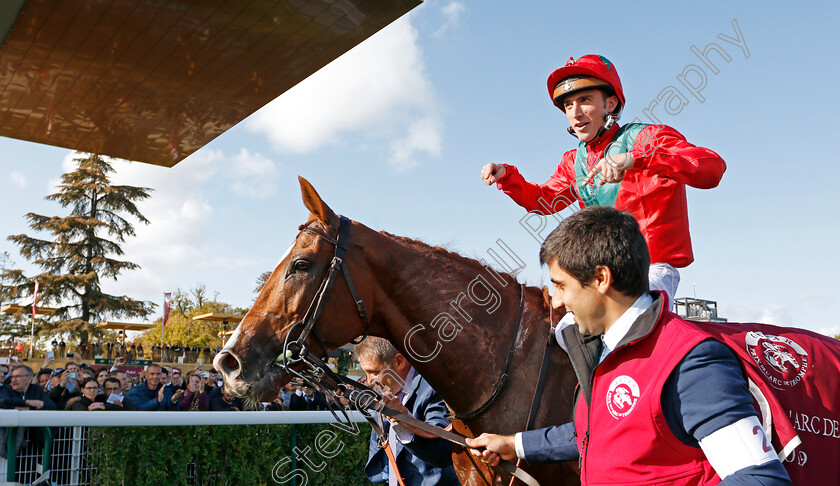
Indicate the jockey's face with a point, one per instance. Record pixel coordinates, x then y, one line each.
586 302
586 111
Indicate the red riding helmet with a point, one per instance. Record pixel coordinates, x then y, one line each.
600 73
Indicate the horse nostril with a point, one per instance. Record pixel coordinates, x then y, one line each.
230 363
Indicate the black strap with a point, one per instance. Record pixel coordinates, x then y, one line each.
535 403
477 469
360 306
313 313
502 379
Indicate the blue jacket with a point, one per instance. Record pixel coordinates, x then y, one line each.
422 461
147 400
11 399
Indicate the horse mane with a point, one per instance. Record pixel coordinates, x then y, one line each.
441 253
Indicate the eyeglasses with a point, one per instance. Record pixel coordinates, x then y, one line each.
18 376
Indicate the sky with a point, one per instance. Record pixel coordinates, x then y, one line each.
394 134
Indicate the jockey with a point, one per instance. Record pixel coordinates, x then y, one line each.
639 168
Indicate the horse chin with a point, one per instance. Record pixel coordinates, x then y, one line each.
237 388
267 388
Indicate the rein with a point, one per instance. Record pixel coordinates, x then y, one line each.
500 384
366 399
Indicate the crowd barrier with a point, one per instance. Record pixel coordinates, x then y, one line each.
64 459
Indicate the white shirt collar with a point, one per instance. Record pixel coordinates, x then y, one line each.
407 387
621 327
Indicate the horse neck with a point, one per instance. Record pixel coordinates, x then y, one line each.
451 317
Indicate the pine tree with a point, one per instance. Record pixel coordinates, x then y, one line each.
81 251
13 326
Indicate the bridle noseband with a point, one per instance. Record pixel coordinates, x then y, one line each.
295 351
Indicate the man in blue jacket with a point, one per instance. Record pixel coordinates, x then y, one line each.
152 395
421 459
22 393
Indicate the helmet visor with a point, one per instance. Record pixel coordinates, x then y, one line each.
569 86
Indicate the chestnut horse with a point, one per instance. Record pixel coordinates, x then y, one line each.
453 318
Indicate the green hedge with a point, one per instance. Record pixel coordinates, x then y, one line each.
227 455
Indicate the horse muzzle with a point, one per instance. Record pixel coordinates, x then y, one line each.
228 364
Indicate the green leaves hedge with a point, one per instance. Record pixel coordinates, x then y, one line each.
228 455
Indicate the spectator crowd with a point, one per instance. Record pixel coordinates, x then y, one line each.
78 386
109 350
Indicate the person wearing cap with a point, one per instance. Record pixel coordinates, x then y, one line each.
55 376
639 168
67 387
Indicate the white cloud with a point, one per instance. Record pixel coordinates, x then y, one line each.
17 179
181 246
776 315
423 135
255 176
451 15
378 89
68 164
769 314
830 331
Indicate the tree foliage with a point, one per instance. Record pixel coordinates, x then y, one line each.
14 326
83 248
182 330
261 281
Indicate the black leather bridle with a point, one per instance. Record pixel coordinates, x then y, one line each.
295 351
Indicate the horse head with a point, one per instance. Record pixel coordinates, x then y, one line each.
288 301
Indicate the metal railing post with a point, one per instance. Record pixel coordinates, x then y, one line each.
11 454
47 457
76 453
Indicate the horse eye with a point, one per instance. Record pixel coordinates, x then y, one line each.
301 266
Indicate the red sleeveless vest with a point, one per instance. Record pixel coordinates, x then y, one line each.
625 439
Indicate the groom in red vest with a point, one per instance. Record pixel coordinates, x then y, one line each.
660 400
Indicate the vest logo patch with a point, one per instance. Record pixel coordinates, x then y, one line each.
622 396
782 360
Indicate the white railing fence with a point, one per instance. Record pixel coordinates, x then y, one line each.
65 439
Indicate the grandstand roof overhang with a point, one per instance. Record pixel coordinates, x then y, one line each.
153 80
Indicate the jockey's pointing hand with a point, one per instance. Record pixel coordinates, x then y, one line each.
491 173
611 168
496 447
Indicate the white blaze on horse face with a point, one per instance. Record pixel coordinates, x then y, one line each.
285 254
232 340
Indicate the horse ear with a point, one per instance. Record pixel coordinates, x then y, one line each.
315 204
